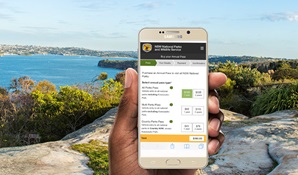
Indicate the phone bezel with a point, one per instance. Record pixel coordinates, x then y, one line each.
158 34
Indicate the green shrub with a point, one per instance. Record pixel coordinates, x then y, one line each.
236 102
98 155
52 114
228 87
274 99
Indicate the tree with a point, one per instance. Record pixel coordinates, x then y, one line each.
101 77
285 71
120 77
45 87
23 84
228 87
111 91
76 104
245 77
3 91
52 114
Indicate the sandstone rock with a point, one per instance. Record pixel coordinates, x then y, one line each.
280 115
56 157
43 159
256 149
98 130
233 116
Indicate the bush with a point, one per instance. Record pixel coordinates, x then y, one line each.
57 114
236 102
285 71
42 110
228 87
98 155
243 77
274 99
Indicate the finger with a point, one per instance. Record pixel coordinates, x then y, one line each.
214 144
213 104
214 124
126 117
216 79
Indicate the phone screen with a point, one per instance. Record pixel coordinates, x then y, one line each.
173 99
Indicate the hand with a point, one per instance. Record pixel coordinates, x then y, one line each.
123 140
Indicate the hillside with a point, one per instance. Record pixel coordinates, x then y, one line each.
214 59
31 50
117 64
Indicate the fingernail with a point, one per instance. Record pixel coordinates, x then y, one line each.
217 146
214 124
214 146
215 100
128 79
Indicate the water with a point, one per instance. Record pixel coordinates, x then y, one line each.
60 70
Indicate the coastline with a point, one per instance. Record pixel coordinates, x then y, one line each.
66 55
59 69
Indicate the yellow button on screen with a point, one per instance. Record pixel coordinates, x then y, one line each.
171 138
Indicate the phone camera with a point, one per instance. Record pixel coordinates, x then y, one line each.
188 32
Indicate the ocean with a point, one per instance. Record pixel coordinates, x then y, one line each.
58 69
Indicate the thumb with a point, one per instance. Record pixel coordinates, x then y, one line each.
126 117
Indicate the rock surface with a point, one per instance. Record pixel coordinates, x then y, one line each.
43 159
55 157
260 145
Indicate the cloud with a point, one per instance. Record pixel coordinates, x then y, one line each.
100 35
90 6
230 42
197 22
95 5
32 29
143 22
64 22
148 5
6 17
7 12
281 17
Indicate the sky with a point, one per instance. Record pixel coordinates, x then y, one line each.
267 28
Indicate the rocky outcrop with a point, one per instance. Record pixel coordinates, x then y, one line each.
43 159
55 157
98 130
260 145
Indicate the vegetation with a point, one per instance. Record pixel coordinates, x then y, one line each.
286 71
98 155
241 59
119 64
30 50
251 92
40 109
282 97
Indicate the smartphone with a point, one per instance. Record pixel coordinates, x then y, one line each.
172 99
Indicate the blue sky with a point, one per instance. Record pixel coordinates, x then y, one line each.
246 27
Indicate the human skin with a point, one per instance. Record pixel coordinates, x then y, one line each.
123 140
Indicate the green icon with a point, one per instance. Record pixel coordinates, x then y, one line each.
171 121
171 104
148 62
171 87
186 93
